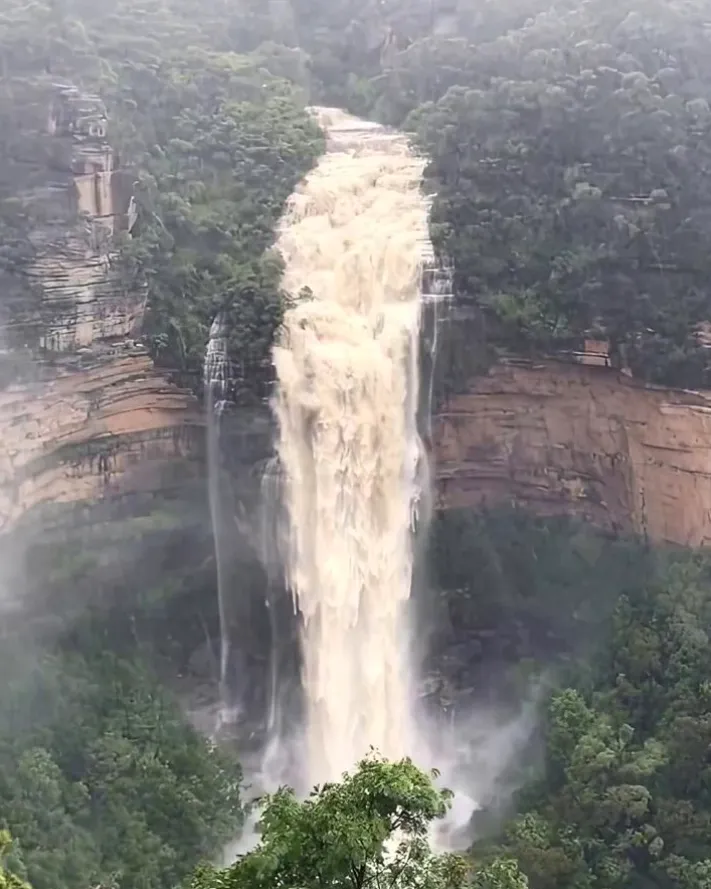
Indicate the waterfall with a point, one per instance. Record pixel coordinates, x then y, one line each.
437 291
352 461
216 377
347 497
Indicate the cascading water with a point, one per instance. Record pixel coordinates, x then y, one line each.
347 497
348 444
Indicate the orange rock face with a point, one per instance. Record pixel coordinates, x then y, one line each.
86 434
584 441
100 420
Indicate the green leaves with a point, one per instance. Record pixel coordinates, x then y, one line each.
8 878
216 186
571 186
502 873
625 799
369 830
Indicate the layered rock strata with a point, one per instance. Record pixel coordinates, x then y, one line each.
87 418
563 438
86 434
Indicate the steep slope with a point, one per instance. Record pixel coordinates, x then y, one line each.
83 434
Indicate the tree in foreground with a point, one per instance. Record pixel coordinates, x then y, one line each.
371 830
8 880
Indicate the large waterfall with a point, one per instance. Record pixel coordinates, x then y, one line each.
347 495
346 404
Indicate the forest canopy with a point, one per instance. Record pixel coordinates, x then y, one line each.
573 188
101 779
568 147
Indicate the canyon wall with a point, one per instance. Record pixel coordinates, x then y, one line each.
86 434
563 438
88 420
85 416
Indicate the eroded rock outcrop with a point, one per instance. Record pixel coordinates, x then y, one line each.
90 417
87 434
84 296
587 441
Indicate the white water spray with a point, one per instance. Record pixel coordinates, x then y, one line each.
346 404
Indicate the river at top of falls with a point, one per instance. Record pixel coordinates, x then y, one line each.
354 234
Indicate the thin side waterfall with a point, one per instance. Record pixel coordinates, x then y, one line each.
353 464
216 376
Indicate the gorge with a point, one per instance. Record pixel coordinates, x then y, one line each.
354 390
100 411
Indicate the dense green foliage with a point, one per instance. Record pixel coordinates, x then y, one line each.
621 800
569 155
570 148
8 877
573 190
101 780
568 145
624 797
370 830
210 191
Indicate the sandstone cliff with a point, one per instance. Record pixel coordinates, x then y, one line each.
97 423
587 441
87 418
86 434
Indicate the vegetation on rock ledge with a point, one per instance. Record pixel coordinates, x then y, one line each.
214 140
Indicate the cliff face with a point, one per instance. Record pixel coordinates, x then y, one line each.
87 417
76 269
585 441
86 434
97 423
